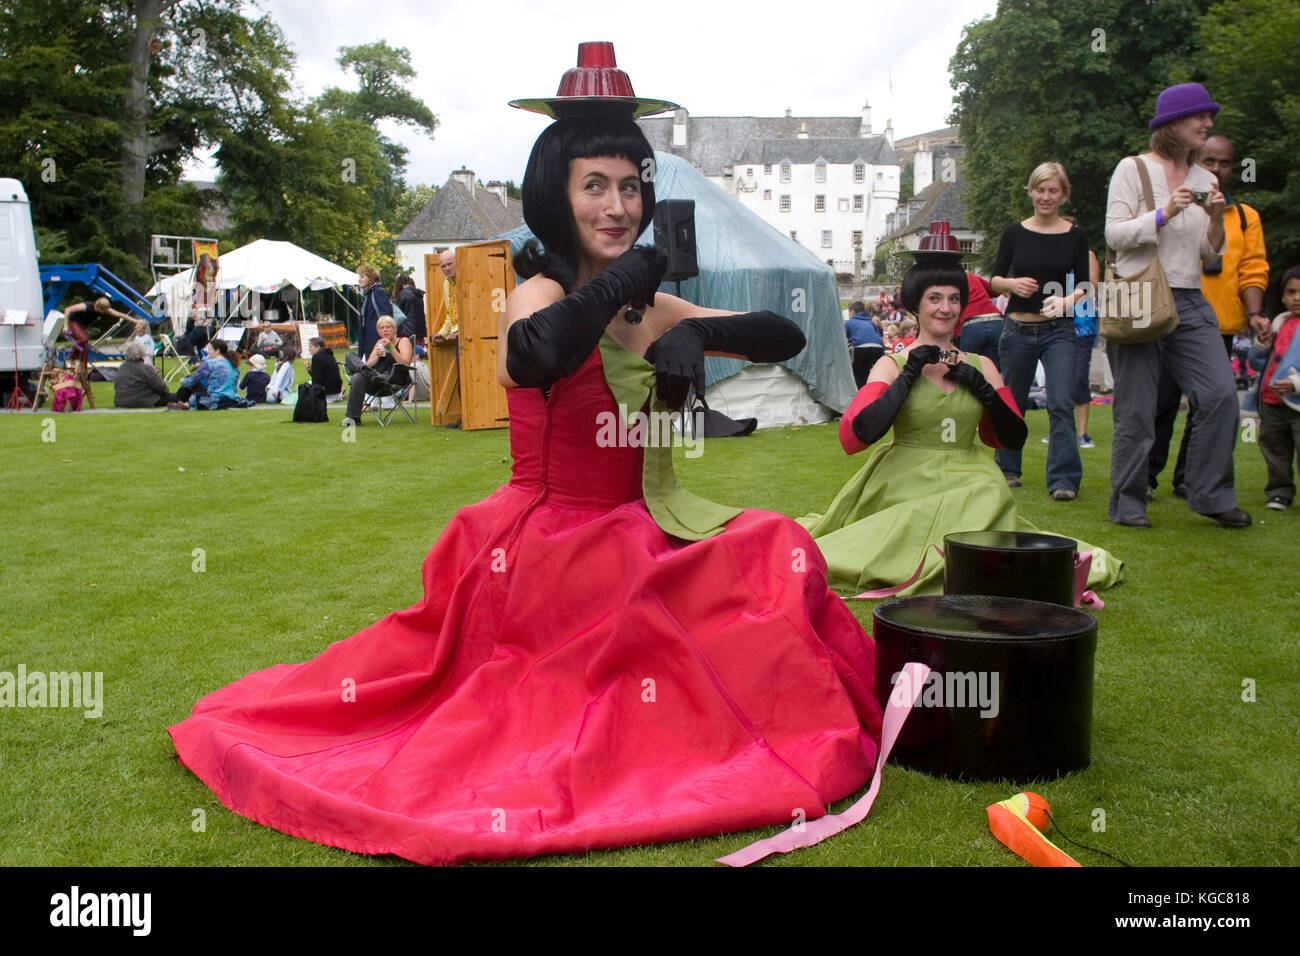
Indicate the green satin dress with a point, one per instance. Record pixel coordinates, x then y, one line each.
934 478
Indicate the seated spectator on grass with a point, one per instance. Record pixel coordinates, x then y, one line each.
212 384
255 379
195 337
138 384
323 370
67 392
282 380
268 343
382 368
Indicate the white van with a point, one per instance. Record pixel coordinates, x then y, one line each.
22 311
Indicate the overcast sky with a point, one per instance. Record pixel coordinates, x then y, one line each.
745 58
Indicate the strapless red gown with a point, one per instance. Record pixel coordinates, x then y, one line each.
572 679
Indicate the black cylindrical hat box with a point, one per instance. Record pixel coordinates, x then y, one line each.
1037 567
1010 690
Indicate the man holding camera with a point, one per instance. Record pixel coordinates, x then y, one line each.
1236 293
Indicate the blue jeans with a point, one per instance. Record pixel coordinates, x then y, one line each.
1023 345
981 338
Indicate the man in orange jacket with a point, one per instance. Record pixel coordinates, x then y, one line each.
1236 293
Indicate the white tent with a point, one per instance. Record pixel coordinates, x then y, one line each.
263 266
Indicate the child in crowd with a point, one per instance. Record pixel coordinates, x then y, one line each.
1279 396
281 383
906 333
67 392
889 334
255 379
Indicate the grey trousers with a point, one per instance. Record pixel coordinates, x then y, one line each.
1193 353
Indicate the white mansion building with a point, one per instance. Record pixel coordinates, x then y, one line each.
826 181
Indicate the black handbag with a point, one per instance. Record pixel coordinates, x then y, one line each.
311 405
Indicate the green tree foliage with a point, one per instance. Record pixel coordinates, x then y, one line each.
409 204
1067 80
1253 71
311 184
907 181
381 95
61 76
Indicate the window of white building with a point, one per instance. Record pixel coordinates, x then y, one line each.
767 194
857 204
785 203
826 239
819 203
785 172
859 172
819 172
857 237
767 169
843 203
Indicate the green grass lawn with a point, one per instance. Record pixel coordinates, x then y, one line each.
306 539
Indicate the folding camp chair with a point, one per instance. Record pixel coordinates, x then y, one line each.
399 394
182 362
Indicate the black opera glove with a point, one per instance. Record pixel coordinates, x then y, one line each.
554 342
870 424
1009 427
678 354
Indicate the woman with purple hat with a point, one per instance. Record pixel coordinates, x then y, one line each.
1184 231
885 527
600 658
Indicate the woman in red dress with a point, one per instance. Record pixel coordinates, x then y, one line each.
615 661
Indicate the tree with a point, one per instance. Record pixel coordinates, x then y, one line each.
408 206
1069 80
311 184
381 73
1253 71
102 103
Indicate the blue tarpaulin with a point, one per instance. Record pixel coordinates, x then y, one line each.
746 265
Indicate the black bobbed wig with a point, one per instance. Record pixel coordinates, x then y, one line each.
546 188
925 275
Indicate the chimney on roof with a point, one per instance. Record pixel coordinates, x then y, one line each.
498 187
465 177
679 126
788 114
922 167
803 130
865 131
889 131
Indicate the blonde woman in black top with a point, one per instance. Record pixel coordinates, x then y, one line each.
1042 264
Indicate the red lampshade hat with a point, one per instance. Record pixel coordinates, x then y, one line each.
938 245
595 87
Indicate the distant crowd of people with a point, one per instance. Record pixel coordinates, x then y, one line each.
1172 205
391 338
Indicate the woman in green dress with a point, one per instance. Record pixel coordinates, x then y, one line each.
933 478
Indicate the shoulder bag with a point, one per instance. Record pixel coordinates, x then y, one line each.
1125 315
